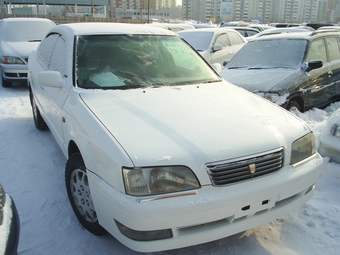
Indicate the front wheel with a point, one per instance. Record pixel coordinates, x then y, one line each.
38 120
293 106
79 194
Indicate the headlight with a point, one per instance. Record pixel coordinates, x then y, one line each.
12 60
158 180
335 130
303 148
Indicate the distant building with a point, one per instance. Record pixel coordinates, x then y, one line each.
265 11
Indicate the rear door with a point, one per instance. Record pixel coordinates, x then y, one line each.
320 80
334 58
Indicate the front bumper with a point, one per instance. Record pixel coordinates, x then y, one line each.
207 214
15 73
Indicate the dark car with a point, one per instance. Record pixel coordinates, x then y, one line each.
9 225
298 71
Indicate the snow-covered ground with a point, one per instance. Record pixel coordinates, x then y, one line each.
32 172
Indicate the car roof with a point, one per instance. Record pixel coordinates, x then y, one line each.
308 35
11 20
93 28
214 30
242 28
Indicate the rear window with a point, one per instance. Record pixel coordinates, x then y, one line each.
270 54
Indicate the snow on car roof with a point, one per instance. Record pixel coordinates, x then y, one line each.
93 28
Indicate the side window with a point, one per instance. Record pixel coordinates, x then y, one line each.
333 48
235 38
58 58
45 50
222 39
317 51
250 33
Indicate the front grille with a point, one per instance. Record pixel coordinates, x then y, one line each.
227 172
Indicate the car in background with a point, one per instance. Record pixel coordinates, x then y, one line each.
244 31
316 26
216 45
330 138
172 26
282 25
275 31
18 37
9 224
161 152
260 27
297 71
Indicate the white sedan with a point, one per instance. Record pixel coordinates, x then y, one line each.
216 45
162 153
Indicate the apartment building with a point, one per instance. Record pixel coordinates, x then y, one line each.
266 11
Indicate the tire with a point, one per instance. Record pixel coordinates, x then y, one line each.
6 84
294 106
38 120
78 192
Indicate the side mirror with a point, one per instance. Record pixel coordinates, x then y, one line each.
314 64
217 67
225 62
217 47
50 79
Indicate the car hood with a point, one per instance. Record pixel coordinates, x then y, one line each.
193 124
263 80
18 49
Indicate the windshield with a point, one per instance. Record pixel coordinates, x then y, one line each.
125 61
199 40
279 53
26 31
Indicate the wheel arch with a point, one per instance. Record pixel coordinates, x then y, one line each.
298 98
73 148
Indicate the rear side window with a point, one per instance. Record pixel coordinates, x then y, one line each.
45 50
333 48
223 40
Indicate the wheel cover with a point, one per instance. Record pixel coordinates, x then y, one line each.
80 191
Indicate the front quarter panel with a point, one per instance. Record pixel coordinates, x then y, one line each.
102 154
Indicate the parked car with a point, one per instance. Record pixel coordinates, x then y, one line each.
245 31
172 26
316 26
161 152
298 71
330 138
9 225
275 31
215 44
18 37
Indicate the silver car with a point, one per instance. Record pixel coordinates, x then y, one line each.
18 37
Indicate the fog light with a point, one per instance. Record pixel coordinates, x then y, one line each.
144 235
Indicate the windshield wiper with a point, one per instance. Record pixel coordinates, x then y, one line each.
36 40
236 67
